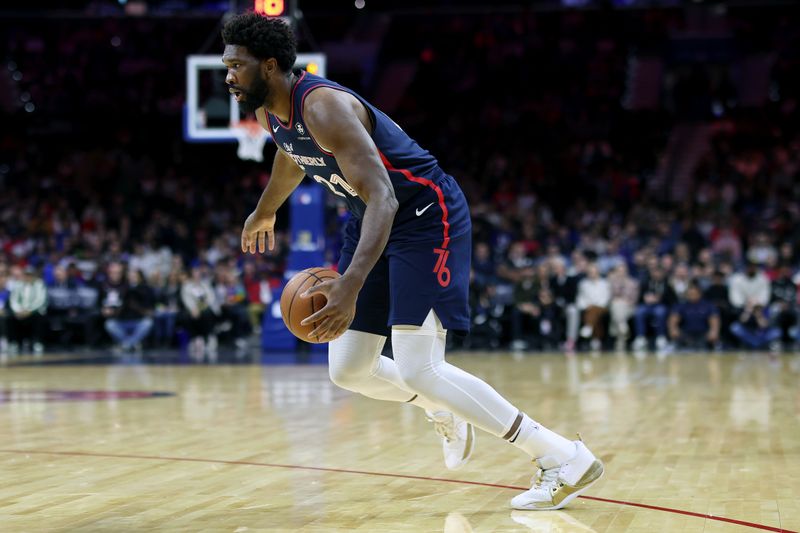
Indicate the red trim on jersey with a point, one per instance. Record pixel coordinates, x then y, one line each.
291 99
428 183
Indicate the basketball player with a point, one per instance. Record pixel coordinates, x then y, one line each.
405 261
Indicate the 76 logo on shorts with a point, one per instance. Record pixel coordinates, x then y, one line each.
443 273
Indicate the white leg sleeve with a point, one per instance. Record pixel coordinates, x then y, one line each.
355 363
419 354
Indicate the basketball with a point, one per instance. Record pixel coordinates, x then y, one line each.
295 309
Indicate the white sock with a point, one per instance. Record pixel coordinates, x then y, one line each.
538 441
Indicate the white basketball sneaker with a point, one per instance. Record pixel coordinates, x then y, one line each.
458 438
555 485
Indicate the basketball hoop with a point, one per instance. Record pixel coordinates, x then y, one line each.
251 137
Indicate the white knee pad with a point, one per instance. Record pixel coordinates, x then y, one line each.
353 357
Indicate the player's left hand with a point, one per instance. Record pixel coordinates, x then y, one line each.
338 313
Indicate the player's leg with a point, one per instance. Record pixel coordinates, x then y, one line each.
356 363
568 468
421 275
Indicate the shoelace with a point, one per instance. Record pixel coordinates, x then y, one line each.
445 428
546 479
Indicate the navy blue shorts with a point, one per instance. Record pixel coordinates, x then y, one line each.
409 280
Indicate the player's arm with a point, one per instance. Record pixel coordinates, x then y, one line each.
339 122
259 226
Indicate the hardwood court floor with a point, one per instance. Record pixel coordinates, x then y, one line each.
278 448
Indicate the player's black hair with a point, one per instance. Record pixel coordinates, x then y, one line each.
264 37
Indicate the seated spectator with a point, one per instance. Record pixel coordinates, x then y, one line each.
655 300
259 295
694 323
517 264
487 312
167 295
483 263
716 293
88 316
783 303
680 280
4 295
112 291
62 296
28 304
134 318
525 312
753 329
200 302
752 285
624 295
550 322
564 285
232 299
594 296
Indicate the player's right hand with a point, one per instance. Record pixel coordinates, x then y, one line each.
258 228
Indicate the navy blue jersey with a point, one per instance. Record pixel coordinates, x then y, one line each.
431 205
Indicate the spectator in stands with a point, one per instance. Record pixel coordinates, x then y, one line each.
63 303
134 319
624 296
717 294
200 301
564 285
517 265
483 263
259 295
4 296
550 321
525 311
656 299
783 303
694 322
89 316
753 329
680 280
28 304
750 286
761 250
594 296
232 298
112 291
167 297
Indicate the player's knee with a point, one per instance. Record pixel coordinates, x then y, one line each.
351 358
347 377
414 377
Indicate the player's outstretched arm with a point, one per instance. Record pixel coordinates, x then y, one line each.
260 225
339 123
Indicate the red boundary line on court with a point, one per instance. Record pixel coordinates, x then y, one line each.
386 474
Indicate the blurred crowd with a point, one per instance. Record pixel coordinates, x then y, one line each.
145 300
117 232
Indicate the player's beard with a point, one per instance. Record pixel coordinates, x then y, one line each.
255 97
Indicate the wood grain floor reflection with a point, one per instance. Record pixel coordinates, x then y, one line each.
279 448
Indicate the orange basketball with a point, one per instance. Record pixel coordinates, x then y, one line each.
295 309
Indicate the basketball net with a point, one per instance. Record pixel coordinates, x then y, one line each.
251 137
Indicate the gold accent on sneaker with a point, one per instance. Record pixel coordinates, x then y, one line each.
562 491
470 439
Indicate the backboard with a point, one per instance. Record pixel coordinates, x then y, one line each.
211 113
